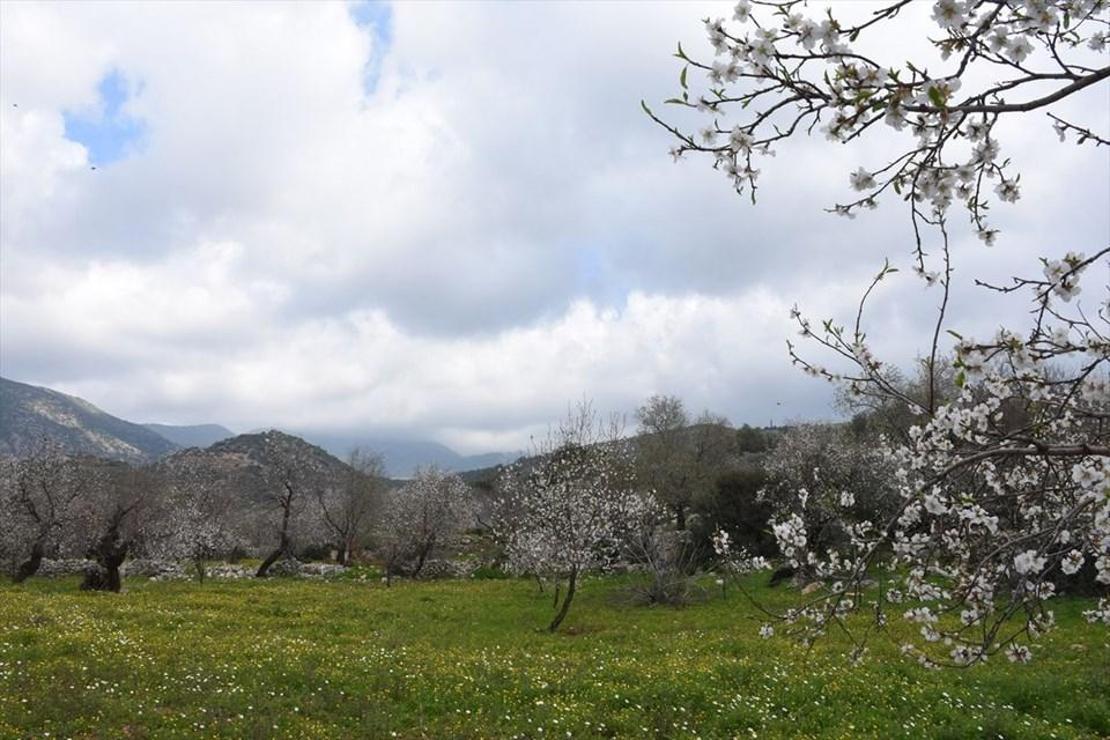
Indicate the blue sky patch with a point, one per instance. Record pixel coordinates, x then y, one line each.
107 133
375 17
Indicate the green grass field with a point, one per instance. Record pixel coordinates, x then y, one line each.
286 658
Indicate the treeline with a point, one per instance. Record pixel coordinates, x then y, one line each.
590 497
270 495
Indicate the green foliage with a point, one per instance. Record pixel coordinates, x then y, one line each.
733 505
285 658
749 439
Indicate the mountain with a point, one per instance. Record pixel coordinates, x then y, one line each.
28 413
247 463
403 456
196 435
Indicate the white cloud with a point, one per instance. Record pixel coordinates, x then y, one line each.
492 232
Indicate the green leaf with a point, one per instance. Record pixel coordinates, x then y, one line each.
682 77
675 101
681 54
936 97
646 109
961 378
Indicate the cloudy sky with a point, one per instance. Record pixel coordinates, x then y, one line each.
437 221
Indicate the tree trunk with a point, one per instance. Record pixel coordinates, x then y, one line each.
420 560
111 567
555 603
31 565
680 517
109 554
199 565
345 551
270 560
571 582
282 548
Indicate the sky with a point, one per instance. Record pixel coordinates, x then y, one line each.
440 221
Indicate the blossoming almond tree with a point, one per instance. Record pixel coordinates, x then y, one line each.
291 475
1005 489
570 507
113 518
37 497
426 514
197 518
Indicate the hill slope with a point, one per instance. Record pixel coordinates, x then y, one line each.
28 413
250 463
403 456
197 435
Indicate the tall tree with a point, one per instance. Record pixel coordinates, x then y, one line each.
293 476
665 453
347 508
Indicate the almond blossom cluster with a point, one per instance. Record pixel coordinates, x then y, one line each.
997 495
779 69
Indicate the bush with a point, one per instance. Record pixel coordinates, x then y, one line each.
735 506
489 573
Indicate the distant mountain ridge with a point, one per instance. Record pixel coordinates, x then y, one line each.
192 435
403 457
28 413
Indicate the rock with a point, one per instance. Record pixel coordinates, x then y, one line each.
68 567
285 568
321 570
228 571
162 570
292 568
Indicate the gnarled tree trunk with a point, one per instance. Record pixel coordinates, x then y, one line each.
272 558
109 553
30 566
283 543
422 557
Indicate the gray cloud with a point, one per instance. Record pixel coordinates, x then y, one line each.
494 230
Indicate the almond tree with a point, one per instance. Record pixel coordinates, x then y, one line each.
37 496
421 517
571 507
292 478
817 473
347 508
197 518
112 518
1006 488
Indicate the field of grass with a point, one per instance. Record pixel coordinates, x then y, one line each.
286 658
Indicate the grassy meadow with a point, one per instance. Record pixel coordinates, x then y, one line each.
350 658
